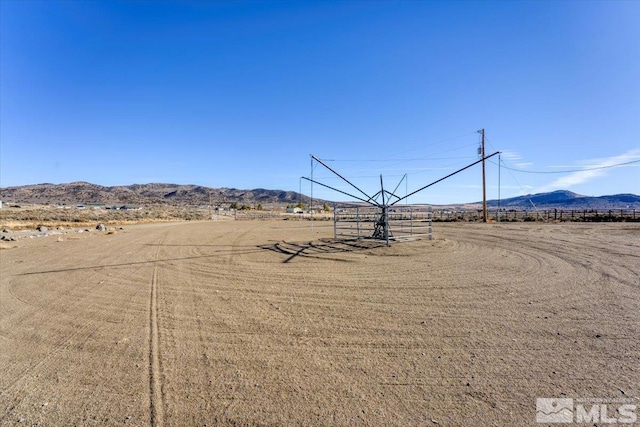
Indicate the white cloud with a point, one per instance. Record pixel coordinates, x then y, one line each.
523 165
511 155
582 176
516 159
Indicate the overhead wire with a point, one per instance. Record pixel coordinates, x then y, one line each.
400 161
502 164
574 170
516 181
416 171
412 159
567 170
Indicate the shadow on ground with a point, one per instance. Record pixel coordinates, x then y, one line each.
320 248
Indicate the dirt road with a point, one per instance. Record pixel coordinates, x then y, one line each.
268 323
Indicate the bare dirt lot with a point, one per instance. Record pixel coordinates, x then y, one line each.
268 323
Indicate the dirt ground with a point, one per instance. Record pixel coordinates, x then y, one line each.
271 323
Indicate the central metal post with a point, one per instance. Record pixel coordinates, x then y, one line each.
385 214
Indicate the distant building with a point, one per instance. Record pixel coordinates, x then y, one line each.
294 210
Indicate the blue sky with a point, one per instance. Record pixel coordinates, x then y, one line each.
240 94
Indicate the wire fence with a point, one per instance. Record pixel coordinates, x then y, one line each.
548 215
414 220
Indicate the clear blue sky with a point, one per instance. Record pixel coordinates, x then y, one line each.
239 94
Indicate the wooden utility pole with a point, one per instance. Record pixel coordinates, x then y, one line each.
311 201
484 183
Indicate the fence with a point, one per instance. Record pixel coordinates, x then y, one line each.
249 215
585 215
410 220
362 222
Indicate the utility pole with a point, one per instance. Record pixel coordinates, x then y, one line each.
499 202
311 201
484 183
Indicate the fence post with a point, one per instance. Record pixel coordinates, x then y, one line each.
411 220
429 217
335 222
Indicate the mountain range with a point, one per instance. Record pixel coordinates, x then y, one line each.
141 194
196 195
563 199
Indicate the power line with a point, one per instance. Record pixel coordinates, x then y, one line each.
400 160
570 170
421 147
521 187
416 171
565 171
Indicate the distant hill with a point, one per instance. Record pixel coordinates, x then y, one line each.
143 194
195 195
563 199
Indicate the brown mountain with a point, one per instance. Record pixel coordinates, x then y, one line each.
142 194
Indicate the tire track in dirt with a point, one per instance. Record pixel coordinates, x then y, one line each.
67 330
22 300
80 335
578 254
83 334
156 397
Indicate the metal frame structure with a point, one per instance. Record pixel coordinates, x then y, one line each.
384 199
405 222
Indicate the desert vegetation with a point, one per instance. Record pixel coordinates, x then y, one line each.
30 216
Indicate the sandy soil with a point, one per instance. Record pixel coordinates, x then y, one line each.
269 323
